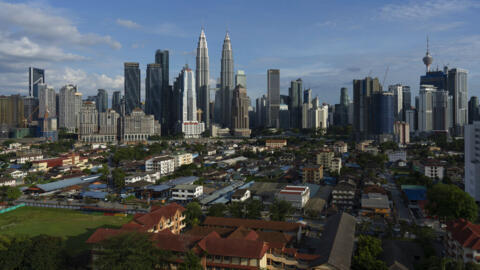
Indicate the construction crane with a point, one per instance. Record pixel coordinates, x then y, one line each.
385 76
25 120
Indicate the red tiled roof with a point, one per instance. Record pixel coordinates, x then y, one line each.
465 233
156 213
252 224
103 233
203 231
215 245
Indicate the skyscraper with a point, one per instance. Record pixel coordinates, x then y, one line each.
425 108
261 112
186 96
202 74
162 58
457 88
167 118
132 87
407 101
344 99
102 100
241 78
307 96
240 120
116 101
397 91
295 103
70 102
153 91
11 111
362 111
383 106
440 111
226 81
46 101
273 95
473 110
35 76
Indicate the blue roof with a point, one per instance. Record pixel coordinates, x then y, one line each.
158 188
313 189
286 168
182 181
15 166
95 194
68 182
97 186
416 194
352 165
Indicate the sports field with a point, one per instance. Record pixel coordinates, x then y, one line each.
74 226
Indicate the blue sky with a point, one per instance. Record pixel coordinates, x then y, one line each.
326 43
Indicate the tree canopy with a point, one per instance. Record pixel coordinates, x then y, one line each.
450 202
193 213
366 257
280 209
217 210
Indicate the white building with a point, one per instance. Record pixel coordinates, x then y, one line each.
183 159
395 156
336 165
425 109
163 164
7 182
432 168
472 160
46 101
186 192
241 195
139 127
296 195
70 102
397 91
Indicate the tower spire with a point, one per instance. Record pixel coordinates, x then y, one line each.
428 59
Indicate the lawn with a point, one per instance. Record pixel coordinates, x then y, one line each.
74 226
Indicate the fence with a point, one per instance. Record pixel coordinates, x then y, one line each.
11 208
83 207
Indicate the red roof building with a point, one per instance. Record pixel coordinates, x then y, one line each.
463 241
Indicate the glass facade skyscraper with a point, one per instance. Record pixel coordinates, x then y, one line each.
153 90
35 76
132 87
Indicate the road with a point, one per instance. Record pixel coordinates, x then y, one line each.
402 210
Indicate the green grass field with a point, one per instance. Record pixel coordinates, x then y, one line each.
73 226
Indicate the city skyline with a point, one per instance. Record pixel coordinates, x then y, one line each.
326 51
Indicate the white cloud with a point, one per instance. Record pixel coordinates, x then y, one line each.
87 83
169 29
42 23
128 24
418 10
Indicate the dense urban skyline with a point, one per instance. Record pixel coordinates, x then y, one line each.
328 48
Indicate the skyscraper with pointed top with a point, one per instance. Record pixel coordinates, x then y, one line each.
226 81
201 79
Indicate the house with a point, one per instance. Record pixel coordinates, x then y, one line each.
186 192
296 195
16 174
240 195
463 241
340 147
312 174
27 157
67 160
52 187
275 143
163 164
4 181
147 177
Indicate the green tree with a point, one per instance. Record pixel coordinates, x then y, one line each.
280 209
450 202
9 193
131 251
236 209
104 171
217 210
191 262
254 209
118 178
193 213
368 250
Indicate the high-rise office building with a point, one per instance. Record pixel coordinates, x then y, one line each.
167 118
362 111
70 102
102 100
46 101
30 111
457 88
35 76
425 108
407 101
162 58
340 112
295 103
472 160
344 99
273 95
202 76
12 111
473 110
187 121
116 101
227 81
383 107
397 91
240 104
132 87
153 91
307 96
261 112
440 111
241 78
88 121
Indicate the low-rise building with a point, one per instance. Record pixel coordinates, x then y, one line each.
463 241
163 164
395 156
343 195
183 159
324 158
275 143
7 182
312 174
241 195
186 192
340 147
336 165
375 204
296 195
431 168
